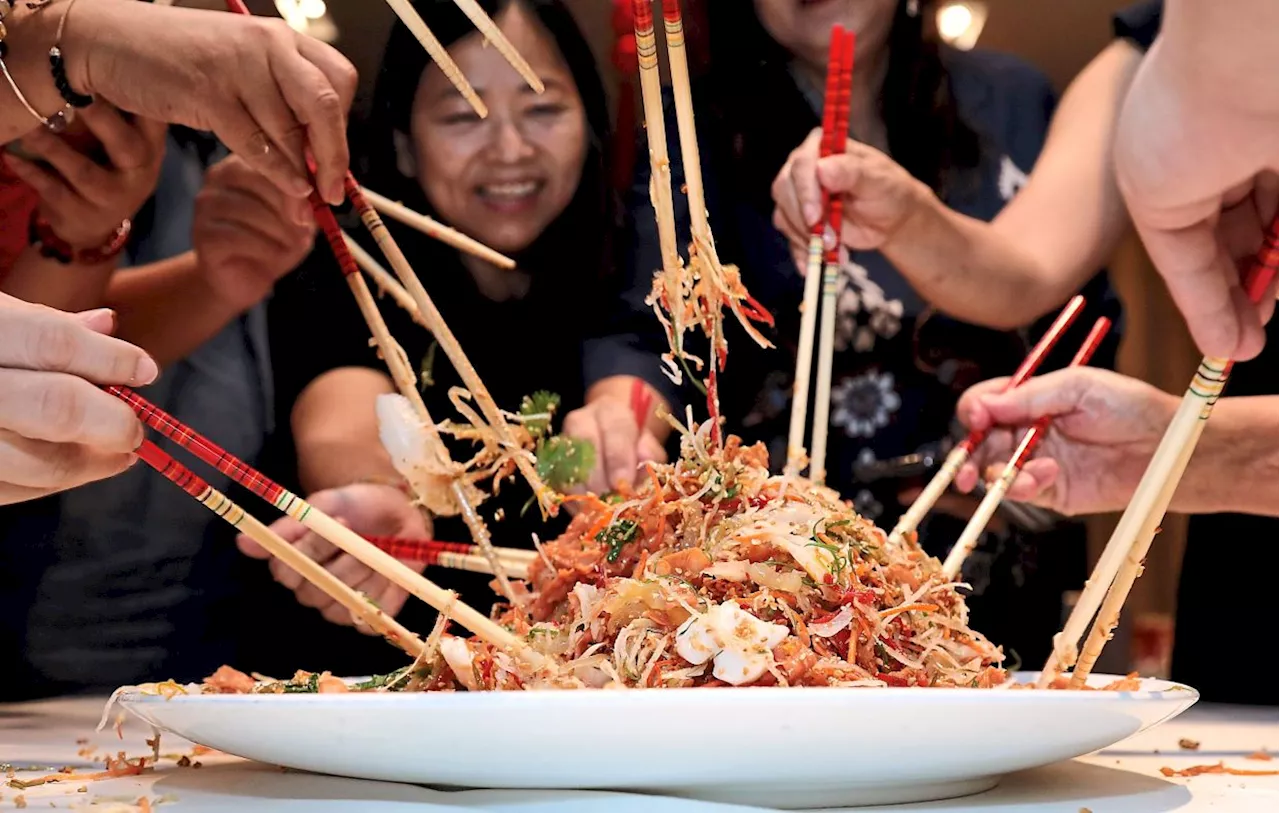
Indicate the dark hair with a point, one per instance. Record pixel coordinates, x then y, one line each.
577 242
926 133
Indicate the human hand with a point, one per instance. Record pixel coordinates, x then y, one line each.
247 233
83 200
267 92
608 422
879 195
1105 428
57 429
367 509
1196 163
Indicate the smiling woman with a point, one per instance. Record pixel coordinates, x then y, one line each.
527 180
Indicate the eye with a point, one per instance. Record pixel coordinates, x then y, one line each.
461 117
546 109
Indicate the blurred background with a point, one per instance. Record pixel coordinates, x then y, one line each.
1060 38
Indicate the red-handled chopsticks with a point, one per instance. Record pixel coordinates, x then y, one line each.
832 141
995 492
941 481
217 502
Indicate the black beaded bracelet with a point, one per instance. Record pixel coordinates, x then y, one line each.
59 70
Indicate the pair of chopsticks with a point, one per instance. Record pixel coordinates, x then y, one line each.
941 481
492 34
1120 565
323 525
997 489
822 267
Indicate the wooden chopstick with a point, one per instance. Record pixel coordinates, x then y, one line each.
830 284
453 350
217 502
1121 561
438 53
498 40
995 491
436 230
942 479
325 526
813 267
383 279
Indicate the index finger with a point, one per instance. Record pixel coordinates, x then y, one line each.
36 338
318 84
970 410
804 178
1205 286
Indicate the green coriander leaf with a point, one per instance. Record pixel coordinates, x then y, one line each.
565 462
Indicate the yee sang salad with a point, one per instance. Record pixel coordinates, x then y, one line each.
714 573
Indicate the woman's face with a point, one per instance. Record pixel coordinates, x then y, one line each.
803 27
502 179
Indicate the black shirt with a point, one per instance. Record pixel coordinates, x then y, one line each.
1203 633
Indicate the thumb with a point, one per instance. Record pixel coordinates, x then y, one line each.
650 449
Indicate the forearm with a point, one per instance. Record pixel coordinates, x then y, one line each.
1222 52
1236 466
1056 232
971 271
72 287
167 308
335 429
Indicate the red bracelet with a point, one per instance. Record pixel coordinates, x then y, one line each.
55 248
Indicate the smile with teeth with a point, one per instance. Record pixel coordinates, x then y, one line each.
510 190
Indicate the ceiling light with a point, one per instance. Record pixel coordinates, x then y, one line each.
312 9
959 24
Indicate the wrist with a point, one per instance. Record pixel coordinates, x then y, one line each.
922 213
51 245
1236 464
78 42
235 299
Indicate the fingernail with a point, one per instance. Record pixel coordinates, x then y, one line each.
828 238
811 213
146 371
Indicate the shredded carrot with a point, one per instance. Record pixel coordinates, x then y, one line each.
1260 756
1220 768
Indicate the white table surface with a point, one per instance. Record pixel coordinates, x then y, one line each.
1123 779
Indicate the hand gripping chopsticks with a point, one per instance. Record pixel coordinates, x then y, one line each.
995 492
1121 561
941 481
832 141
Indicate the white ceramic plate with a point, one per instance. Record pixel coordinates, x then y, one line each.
776 747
